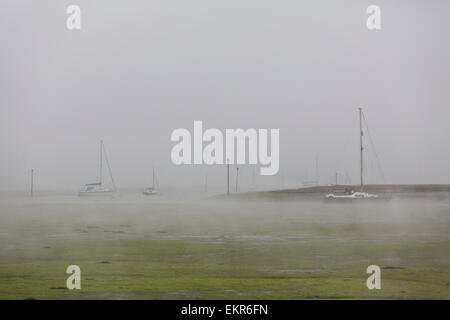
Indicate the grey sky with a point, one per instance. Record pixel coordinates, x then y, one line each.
139 69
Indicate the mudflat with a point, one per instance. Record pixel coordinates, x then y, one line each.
260 248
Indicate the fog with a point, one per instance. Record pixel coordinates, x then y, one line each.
137 71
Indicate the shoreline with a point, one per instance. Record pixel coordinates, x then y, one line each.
320 191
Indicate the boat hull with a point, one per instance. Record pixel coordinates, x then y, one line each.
103 192
149 192
355 200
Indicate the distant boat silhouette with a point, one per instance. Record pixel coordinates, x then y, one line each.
97 187
151 190
350 194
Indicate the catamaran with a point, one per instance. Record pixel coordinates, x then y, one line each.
97 187
151 190
349 194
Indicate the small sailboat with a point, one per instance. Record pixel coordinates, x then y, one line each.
350 194
97 187
151 190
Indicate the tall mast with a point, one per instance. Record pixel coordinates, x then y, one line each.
153 178
101 160
228 178
237 177
32 182
361 144
253 179
317 170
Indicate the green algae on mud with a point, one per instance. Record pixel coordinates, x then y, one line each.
224 250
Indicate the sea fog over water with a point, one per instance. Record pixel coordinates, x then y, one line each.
138 70
192 244
413 207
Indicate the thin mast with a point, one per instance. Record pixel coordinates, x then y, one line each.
101 160
317 170
228 178
237 177
153 178
32 182
253 178
361 144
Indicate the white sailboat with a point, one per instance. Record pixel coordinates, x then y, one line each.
97 187
352 195
349 194
151 190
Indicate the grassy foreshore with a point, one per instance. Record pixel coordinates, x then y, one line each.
225 250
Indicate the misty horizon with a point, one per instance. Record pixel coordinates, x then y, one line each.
134 74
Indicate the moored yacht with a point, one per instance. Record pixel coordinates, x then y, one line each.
349 194
93 189
151 190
